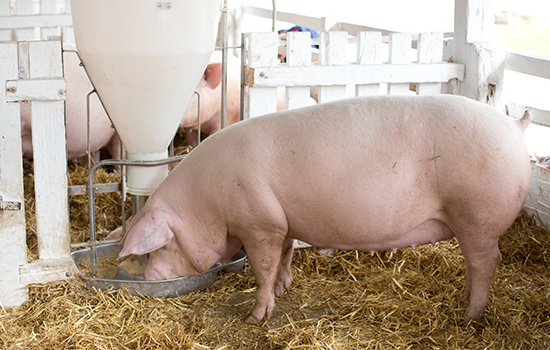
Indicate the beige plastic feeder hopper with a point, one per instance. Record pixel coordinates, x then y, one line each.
145 59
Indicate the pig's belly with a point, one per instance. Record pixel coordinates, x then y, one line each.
391 230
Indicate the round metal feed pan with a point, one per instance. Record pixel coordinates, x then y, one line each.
135 284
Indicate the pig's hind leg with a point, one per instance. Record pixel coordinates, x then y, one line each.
481 265
478 240
284 277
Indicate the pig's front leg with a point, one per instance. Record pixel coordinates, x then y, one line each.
264 251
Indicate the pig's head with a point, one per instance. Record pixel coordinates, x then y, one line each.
210 94
152 234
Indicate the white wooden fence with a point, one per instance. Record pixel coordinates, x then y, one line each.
333 76
27 75
25 20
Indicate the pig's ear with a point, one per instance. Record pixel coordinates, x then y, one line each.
150 233
213 75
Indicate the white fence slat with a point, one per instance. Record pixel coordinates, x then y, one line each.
36 89
369 51
261 101
332 52
5 34
306 21
13 236
528 63
68 30
400 47
298 54
47 270
430 50
263 50
45 65
316 75
28 21
48 7
50 157
24 7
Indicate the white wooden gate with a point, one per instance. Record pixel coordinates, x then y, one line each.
33 71
332 75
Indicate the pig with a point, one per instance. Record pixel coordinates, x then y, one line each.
367 173
209 89
102 134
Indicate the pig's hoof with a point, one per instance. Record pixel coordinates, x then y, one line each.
282 286
283 283
471 314
251 319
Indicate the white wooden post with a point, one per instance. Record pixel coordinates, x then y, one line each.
400 52
473 44
430 50
369 51
42 84
263 48
298 54
332 52
13 238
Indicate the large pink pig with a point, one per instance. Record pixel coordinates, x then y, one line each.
370 173
101 132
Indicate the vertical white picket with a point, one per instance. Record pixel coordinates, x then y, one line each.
50 156
48 7
369 51
263 49
332 52
5 34
13 236
298 54
24 7
68 31
400 48
430 50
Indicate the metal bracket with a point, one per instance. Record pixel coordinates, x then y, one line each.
13 206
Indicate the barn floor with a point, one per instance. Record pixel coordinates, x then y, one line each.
408 300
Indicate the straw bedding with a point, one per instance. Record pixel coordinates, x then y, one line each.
350 300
